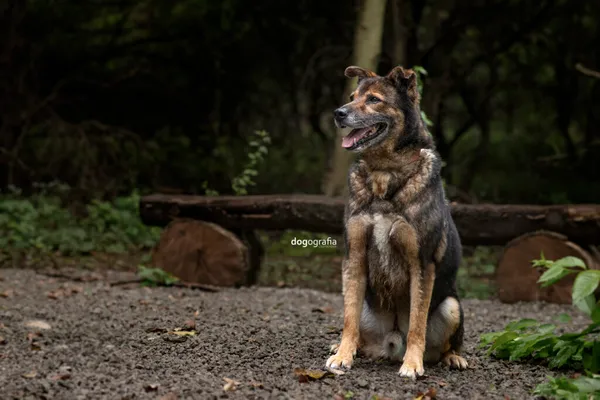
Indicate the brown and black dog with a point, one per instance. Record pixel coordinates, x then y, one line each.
402 247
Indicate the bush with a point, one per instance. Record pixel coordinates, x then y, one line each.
527 339
42 223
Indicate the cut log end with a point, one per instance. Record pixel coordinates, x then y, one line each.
202 252
517 279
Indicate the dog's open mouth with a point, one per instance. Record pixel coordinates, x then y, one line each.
360 136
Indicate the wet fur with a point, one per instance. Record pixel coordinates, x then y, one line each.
398 230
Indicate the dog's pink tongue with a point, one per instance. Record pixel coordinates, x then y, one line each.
356 134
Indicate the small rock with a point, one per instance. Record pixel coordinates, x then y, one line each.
362 383
38 324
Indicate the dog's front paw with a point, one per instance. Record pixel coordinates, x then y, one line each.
412 368
342 359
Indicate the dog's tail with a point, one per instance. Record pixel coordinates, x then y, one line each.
393 346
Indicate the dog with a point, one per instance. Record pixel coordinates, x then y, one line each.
402 247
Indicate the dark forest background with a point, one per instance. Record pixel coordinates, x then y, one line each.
109 96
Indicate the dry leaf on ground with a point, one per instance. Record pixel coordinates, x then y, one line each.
30 375
430 394
180 332
7 293
307 375
323 310
230 385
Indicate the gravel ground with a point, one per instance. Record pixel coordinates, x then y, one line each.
109 342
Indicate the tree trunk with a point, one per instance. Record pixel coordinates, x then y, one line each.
367 47
517 280
202 252
478 224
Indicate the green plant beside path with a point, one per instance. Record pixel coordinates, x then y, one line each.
528 339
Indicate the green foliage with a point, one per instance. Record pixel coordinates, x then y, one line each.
420 71
155 277
256 154
476 273
41 223
528 339
581 388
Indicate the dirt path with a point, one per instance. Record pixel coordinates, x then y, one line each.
105 342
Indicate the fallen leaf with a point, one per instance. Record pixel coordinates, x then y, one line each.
143 302
338 396
182 333
37 324
306 375
230 385
30 375
7 293
61 377
280 284
196 314
323 310
2 340
153 387
257 385
428 395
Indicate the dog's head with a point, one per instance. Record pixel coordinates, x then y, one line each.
380 107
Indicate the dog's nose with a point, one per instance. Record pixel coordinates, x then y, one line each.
340 113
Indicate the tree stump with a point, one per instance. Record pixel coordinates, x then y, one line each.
517 279
203 252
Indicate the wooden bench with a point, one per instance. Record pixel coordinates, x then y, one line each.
229 222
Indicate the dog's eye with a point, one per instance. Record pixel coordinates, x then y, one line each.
373 99
351 97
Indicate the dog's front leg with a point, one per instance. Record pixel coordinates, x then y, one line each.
421 288
354 281
404 237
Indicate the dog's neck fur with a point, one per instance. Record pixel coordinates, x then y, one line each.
400 152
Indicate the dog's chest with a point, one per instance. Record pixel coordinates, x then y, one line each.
388 270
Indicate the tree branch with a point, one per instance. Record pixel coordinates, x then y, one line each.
586 71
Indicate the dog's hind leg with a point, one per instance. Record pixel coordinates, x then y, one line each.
354 281
445 334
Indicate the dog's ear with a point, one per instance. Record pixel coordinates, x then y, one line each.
405 81
359 72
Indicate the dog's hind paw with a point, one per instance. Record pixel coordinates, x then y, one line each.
455 361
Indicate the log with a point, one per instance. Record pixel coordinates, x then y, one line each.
517 279
203 253
478 224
